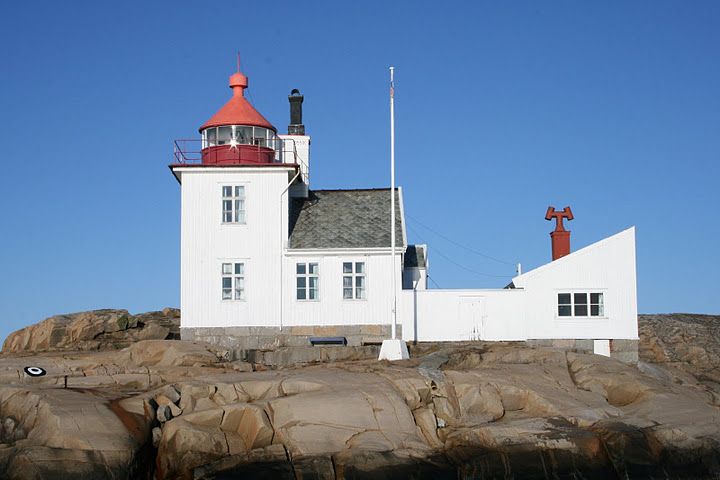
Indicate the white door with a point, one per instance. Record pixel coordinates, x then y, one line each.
471 318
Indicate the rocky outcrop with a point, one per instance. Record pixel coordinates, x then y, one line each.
688 341
176 409
474 410
94 330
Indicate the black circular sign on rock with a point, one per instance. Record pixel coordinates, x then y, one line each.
35 371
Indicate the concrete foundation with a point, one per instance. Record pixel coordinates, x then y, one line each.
620 349
239 341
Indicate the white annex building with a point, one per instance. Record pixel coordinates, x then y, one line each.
267 261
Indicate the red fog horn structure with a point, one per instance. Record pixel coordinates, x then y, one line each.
560 237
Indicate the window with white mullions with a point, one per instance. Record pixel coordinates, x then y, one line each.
354 280
233 204
581 304
233 281
307 281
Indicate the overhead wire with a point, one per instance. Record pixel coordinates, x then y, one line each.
432 280
435 250
465 247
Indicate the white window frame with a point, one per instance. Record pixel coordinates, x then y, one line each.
306 275
236 199
236 285
601 304
354 275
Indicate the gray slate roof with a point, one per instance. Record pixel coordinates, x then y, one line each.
344 219
415 256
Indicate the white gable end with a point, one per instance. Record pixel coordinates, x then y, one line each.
606 267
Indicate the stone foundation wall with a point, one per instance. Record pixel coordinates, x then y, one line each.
241 340
624 350
620 349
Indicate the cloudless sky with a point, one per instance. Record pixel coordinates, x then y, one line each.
503 108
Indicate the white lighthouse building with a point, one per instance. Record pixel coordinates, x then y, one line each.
267 261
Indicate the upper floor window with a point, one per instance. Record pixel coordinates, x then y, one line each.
233 204
581 304
354 280
233 281
307 281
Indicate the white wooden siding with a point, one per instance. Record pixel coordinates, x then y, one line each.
206 242
331 308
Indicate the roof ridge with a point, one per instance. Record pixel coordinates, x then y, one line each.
354 189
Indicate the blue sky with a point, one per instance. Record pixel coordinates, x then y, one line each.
503 108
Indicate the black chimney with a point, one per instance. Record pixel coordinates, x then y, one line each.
296 126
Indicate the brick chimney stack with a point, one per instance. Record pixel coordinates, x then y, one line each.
560 237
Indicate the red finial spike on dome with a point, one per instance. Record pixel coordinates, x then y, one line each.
238 81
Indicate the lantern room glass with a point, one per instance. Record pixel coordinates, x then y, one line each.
242 134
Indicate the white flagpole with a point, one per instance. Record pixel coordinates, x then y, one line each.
392 201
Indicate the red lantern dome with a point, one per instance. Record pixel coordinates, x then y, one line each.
238 134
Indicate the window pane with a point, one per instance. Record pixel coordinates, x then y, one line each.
211 137
360 287
239 268
227 282
227 268
240 191
563 299
313 294
243 134
227 205
564 310
594 310
227 192
224 134
227 294
581 310
581 299
347 293
360 267
347 267
301 282
239 216
239 283
239 293
300 269
227 217
260 134
347 282
596 298
300 294
313 268
313 282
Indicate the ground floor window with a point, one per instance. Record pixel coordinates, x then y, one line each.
307 281
581 304
354 280
233 281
